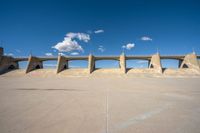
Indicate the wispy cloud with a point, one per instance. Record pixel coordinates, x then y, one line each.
128 46
48 54
101 48
98 31
70 42
146 38
74 53
80 36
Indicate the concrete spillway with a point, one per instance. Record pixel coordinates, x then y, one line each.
189 61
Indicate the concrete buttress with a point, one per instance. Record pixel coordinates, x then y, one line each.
33 63
155 63
122 62
62 64
7 62
190 61
91 63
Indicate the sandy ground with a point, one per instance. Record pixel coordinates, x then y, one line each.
98 104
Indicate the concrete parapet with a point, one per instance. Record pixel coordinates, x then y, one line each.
122 63
91 63
190 61
62 64
7 63
155 63
34 63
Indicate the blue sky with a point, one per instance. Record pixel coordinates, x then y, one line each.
36 26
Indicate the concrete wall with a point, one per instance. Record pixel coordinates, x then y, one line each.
122 62
62 64
155 63
91 63
7 63
34 63
190 61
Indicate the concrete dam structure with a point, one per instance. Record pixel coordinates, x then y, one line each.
189 61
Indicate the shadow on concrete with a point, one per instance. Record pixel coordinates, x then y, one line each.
128 69
7 71
163 70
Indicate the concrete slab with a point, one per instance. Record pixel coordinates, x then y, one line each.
85 104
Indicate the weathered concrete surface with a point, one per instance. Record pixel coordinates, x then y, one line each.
91 63
191 62
62 64
122 62
81 105
104 72
34 63
155 63
6 63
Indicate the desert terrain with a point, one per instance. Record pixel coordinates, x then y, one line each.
74 102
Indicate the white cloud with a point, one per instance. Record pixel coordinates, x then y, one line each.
98 31
61 54
101 48
74 53
70 44
80 36
146 38
48 54
128 46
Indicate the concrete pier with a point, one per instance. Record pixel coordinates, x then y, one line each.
122 62
62 64
155 63
7 62
190 61
34 63
91 63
